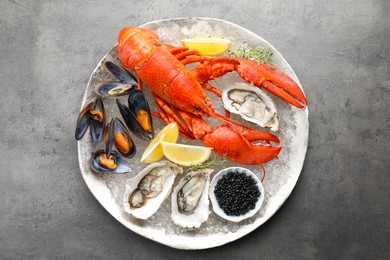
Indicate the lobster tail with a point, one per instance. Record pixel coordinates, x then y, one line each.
136 45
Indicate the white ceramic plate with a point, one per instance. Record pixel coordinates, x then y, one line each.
282 173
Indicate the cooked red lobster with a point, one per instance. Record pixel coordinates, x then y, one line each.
181 98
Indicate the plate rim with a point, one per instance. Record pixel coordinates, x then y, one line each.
185 241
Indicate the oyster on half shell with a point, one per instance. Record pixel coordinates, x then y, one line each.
190 199
147 190
252 104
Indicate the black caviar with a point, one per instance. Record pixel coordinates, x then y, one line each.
236 193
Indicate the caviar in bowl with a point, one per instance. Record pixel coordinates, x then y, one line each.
236 194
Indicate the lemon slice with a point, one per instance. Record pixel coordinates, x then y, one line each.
153 152
186 155
208 46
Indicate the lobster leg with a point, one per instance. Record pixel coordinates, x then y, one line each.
180 52
162 115
217 92
139 84
169 116
183 55
174 49
203 59
213 89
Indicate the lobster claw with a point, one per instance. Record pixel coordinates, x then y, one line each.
243 146
273 80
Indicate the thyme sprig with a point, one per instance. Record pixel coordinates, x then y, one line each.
261 55
209 163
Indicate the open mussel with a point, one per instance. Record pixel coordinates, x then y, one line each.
91 115
116 133
114 163
116 88
137 115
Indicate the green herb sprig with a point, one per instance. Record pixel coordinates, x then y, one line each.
261 55
209 163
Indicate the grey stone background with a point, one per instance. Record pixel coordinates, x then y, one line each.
340 51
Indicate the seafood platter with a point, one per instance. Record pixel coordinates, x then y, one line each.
189 149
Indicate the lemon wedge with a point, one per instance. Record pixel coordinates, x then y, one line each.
208 46
185 155
154 152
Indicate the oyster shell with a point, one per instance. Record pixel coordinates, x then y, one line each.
190 199
146 192
252 104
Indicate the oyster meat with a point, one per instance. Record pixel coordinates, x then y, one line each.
146 192
190 199
252 104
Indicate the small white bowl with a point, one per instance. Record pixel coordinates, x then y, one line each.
219 211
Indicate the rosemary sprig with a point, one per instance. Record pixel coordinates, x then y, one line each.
261 55
209 163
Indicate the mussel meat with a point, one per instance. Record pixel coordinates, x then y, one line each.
113 89
114 163
116 133
91 115
137 115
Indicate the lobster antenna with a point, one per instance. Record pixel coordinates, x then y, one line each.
262 167
225 119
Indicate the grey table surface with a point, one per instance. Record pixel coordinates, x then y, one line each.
340 51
